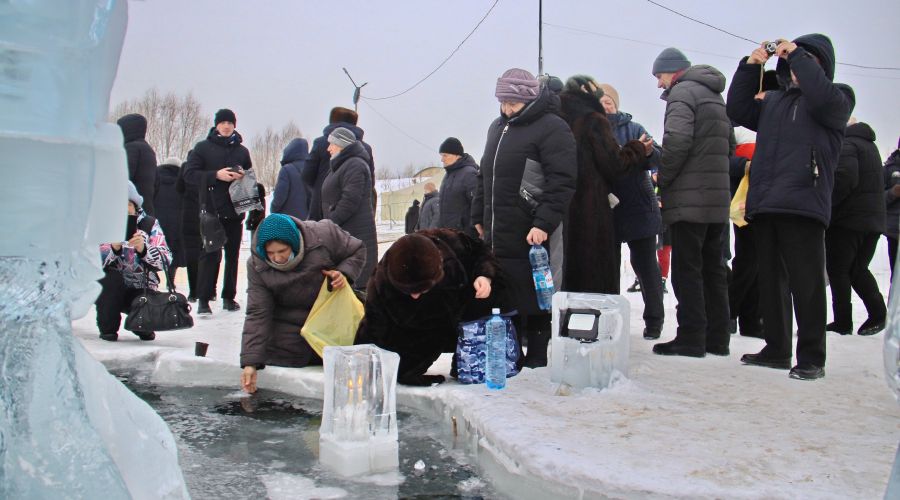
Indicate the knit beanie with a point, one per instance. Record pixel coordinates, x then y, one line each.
452 146
611 92
134 196
225 115
339 114
341 137
670 60
517 85
414 264
278 227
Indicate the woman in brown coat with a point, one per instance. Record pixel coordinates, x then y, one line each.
290 260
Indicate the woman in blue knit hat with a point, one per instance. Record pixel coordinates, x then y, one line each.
290 260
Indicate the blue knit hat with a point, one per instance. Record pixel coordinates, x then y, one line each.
277 227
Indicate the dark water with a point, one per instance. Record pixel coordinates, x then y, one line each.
266 446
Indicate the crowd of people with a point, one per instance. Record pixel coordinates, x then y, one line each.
563 167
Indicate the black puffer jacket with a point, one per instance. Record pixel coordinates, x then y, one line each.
457 191
799 131
318 165
857 201
347 201
168 203
698 138
891 179
207 157
536 133
141 158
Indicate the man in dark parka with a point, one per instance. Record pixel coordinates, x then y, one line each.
141 157
799 134
425 284
457 188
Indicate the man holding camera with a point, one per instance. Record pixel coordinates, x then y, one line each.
799 133
214 164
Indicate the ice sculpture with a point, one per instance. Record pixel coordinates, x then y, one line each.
359 417
66 428
590 339
892 372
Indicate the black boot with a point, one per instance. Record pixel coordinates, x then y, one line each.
537 348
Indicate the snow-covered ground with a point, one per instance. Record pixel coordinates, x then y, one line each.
677 427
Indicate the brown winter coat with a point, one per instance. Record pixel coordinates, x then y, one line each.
591 262
278 302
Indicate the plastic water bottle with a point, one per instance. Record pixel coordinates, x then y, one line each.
543 280
495 341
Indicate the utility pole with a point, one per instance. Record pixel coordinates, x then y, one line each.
540 37
356 91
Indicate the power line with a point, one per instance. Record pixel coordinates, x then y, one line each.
442 62
398 129
757 43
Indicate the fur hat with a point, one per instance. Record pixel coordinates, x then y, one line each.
278 227
584 83
339 114
670 60
172 160
341 137
414 264
134 196
611 92
225 115
517 85
452 146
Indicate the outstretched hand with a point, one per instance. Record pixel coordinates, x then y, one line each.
337 279
482 287
248 379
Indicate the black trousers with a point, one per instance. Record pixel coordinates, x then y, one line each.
700 284
646 267
743 290
892 254
791 251
848 254
208 267
115 298
193 269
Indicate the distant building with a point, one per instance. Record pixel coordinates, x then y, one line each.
394 203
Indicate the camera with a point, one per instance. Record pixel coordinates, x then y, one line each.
771 46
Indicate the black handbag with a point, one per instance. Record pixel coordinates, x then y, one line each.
155 311
211 230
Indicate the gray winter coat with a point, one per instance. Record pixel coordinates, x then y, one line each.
347 201
698 138
429 213
278 302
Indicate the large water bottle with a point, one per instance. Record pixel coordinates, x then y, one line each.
495 342
543 280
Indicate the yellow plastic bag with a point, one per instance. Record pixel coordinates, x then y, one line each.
739 202
333 319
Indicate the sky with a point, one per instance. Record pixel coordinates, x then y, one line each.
278 61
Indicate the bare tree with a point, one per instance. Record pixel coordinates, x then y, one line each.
266 150
174 123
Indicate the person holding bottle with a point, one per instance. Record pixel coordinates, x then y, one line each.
527 178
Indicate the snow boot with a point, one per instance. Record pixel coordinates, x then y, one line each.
537 348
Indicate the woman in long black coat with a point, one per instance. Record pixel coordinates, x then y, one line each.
347 196
168 202
591 262
528 132
191 241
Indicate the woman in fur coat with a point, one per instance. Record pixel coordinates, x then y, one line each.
591 261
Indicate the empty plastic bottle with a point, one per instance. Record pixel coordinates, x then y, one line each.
543 280
495 343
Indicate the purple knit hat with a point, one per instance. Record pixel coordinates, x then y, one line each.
517 85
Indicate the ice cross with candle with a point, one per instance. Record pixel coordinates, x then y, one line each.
359 418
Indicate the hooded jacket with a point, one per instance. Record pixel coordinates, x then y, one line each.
457 192
207 157
536 133
141 157
857 201
168 202
318 165
799 131
291 194
637 215
346 201
278 302
698 139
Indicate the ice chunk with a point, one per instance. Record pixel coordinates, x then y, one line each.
590 340
419 465
359 417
